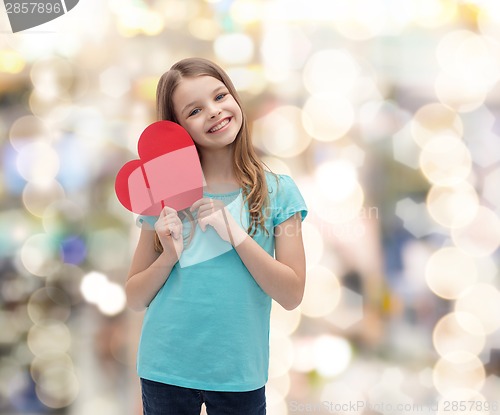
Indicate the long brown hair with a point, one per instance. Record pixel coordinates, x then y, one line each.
247 167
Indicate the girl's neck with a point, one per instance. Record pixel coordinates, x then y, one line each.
218 170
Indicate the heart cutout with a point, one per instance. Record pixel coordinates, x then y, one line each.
25 15
168 171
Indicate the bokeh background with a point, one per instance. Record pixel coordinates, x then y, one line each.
385 112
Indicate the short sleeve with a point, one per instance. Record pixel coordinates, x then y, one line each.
287 201
146 222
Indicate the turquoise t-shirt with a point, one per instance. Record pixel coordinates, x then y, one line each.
208 326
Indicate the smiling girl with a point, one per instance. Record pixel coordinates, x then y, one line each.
205 336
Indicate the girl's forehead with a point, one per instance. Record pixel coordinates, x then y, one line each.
200 82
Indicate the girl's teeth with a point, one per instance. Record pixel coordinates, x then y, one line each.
219 126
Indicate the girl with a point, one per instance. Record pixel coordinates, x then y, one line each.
205 335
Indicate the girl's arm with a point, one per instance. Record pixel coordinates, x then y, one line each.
148 272
282 278
149 269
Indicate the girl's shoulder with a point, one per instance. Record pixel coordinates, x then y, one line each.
278 182
285 197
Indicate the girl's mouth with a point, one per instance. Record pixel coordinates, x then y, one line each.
220 125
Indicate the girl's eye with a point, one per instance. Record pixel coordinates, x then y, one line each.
219 97
194 112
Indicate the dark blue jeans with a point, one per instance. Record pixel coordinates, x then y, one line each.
162 399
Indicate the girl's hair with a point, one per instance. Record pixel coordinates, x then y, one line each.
247 167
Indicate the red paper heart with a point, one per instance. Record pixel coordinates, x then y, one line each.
167 173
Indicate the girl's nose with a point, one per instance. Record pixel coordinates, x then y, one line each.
215 112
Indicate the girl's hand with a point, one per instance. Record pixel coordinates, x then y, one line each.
169 230
214 213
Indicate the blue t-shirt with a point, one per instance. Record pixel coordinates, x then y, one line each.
208 326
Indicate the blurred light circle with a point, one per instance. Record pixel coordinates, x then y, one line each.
113 300
247 11
332 355
275 396
204 28
336 180
482 301
353 154
73 250
470 57
322 293
38 255
284 322
449 336
449 272
49 337
51 76
341 210
53 110
11 62
303 358
313 244
78 164
281 356
477 404
276 405
136 19
153 23
114 82
435 119
362 20
109 297
330 70
327 116
234 48
481 235
37 196
459 95
27 130
99 404
48 303
38 162
277 165
250 79
92 286
284 50
108 248
40 364
64 217
57 387
488 19
445 160
456 370
453 206
15 228
434 13
280 384
67 278
280 133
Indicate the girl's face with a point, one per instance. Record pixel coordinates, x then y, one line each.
208 112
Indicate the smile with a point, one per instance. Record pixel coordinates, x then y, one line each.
219 126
